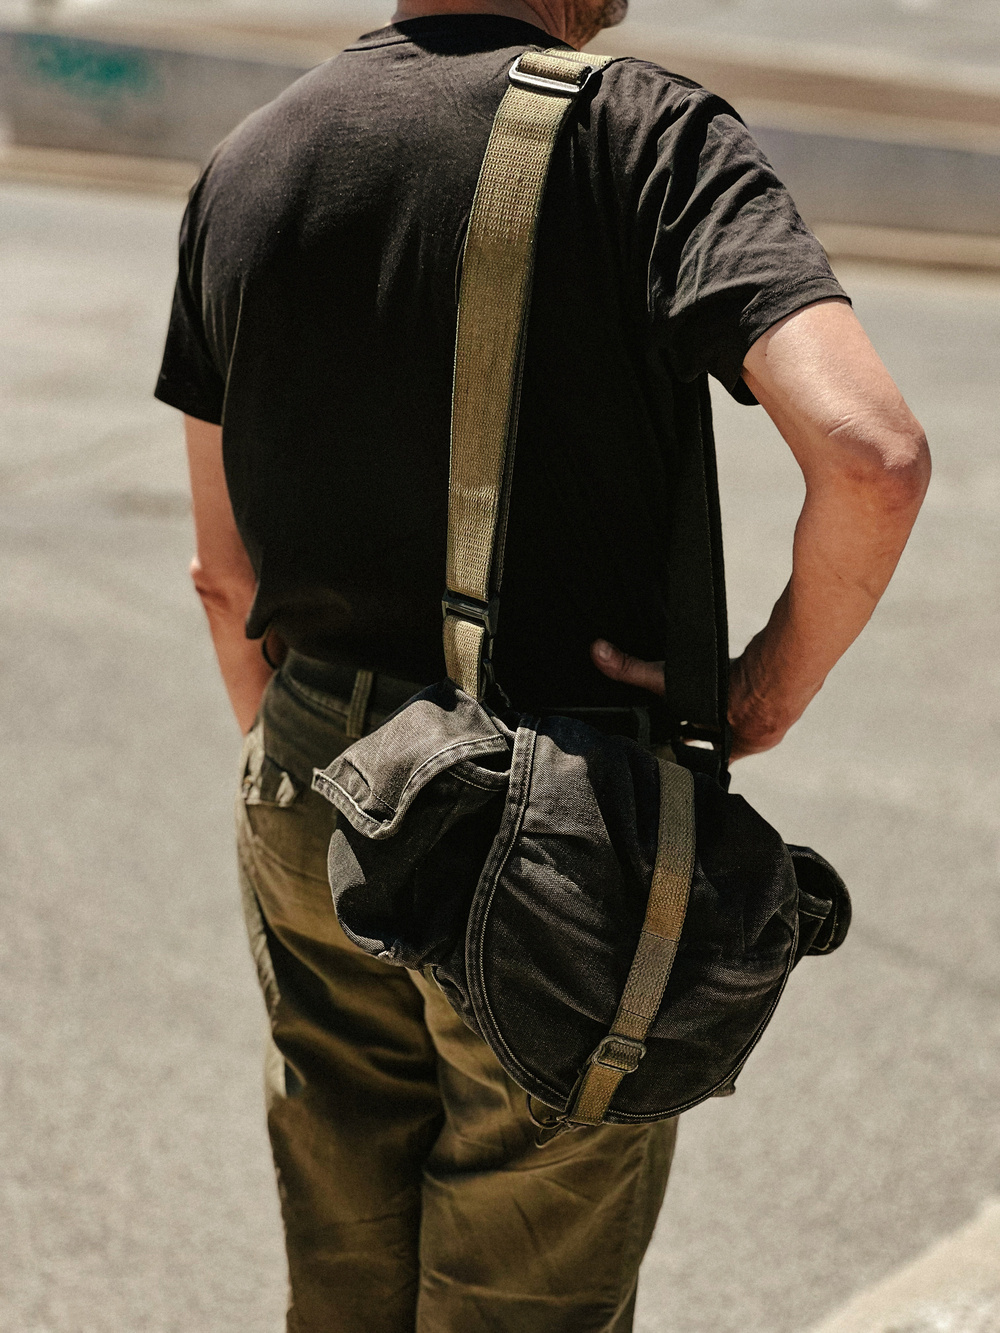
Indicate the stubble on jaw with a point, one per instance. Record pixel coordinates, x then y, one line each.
586 18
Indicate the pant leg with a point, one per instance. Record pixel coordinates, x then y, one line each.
517 1239
353 1100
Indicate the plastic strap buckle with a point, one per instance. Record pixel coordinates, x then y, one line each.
537 83
470 608
620 1053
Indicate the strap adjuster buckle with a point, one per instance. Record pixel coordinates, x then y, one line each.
620 1053
470 608
538 83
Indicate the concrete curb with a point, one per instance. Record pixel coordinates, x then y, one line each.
165 176
866 180
954 1287
897 245
108 171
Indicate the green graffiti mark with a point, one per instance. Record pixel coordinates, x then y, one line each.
87 69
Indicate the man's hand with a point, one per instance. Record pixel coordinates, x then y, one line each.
629 670
866 467
754 729
649 676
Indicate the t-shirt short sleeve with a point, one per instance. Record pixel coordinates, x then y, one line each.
729 255
189 377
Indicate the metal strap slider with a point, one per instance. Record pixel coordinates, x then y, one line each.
542 84
470 608
620 1053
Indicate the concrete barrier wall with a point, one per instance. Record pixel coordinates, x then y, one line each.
61 90
838 178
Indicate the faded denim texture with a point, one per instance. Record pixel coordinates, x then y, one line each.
512 856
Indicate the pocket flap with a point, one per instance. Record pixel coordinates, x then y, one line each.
375 781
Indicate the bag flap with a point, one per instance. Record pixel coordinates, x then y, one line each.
375 781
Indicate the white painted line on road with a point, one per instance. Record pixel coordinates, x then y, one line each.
954 1287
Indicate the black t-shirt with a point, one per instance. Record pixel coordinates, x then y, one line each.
315 313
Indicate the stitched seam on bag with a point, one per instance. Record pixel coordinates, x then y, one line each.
745 1054
457 745
472 782
518 821
326 781
330 782
372 796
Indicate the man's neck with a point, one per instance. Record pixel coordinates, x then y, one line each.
547 14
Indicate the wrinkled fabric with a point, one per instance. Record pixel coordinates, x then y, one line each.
513 856
413 1196
317 301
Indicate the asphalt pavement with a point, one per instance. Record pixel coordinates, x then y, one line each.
135 1188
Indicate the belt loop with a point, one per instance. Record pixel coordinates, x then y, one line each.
357 713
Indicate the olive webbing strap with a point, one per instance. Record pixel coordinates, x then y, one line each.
621 1050
494 302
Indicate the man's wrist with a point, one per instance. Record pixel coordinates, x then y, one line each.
763 702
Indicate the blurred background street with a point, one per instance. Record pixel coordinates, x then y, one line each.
135 1183
965 31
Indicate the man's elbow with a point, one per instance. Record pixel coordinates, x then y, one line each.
892 467
222 595
905 472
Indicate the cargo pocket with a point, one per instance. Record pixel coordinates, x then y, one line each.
289 825
250 764
263 781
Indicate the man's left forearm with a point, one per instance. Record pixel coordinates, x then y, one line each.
866 466
848 541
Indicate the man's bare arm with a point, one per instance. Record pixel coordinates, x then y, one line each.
866 467
222 573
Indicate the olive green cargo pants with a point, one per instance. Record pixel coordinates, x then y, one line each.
413 1196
